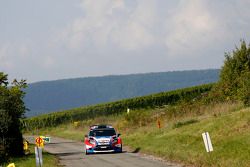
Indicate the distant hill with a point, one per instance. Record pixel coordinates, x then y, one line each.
47 96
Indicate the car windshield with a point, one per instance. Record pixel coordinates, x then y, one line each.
102 132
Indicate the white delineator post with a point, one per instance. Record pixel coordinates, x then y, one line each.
39 156
207 142
128 111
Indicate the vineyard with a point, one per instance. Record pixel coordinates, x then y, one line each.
115 108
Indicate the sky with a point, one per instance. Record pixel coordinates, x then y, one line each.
58 39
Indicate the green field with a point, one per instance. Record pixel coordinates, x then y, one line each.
179 139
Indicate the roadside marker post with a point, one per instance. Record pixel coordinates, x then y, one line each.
159 124
128 111
38 151
39 156
207 142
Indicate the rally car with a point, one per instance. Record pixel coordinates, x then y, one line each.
102 138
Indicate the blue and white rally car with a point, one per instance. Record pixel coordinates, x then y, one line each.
102 138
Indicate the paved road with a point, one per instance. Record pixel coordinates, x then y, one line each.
71 153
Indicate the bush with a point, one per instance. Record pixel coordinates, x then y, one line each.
234 76
244 91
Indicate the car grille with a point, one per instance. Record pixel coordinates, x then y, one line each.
103 143
103 147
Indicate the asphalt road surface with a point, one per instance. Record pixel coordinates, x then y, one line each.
71 153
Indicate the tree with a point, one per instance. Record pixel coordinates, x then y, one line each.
12 109
235 75
244 91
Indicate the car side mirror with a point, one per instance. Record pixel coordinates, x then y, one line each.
86 135
118 135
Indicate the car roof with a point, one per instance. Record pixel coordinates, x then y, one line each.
102 129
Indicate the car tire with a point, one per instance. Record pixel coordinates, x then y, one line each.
86 152
121 149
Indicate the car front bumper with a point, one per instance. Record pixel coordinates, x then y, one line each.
103 149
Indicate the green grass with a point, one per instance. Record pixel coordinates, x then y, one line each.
230 135
179 139
49 160
183 123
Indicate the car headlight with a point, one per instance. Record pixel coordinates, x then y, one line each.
118 145
92 142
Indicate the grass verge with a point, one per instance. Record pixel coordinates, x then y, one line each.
230 135
49 160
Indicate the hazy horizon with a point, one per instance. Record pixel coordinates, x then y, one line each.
99 76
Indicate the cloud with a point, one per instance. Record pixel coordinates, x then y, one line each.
5 62
94 26
132 36
111 21
20 56
192 27
137 31
98 38
24 50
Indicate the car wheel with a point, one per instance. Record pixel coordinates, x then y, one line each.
86 152
121 149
